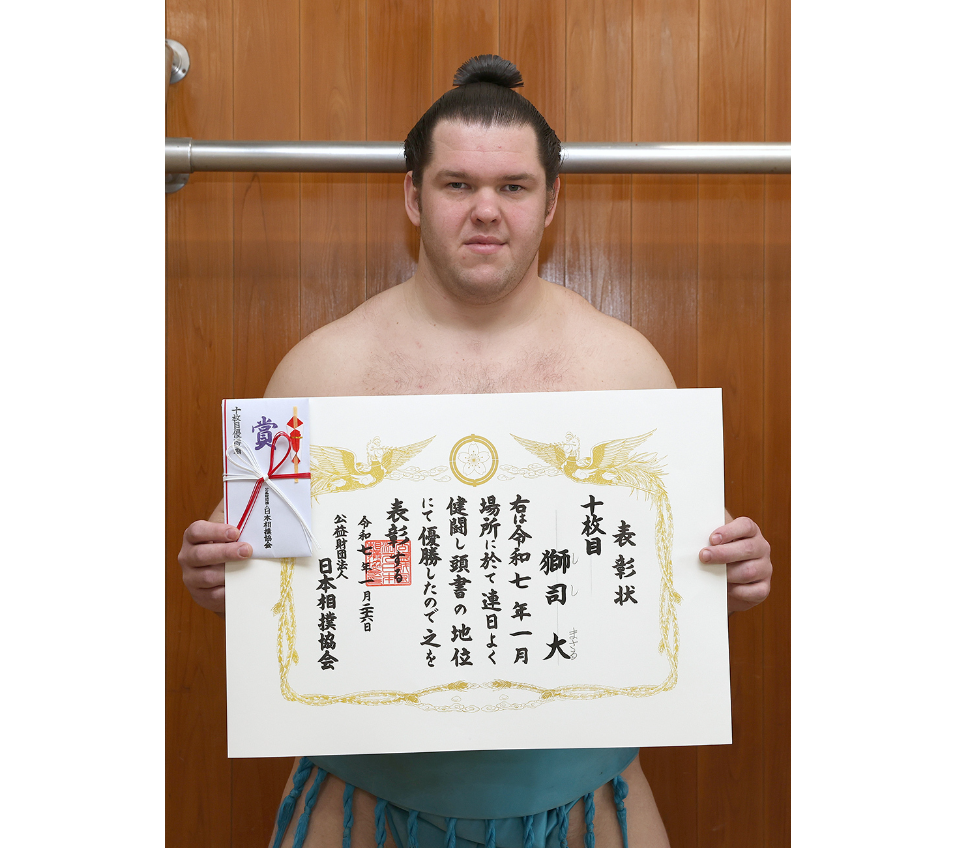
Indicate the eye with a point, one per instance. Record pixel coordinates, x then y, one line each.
456 186
513 188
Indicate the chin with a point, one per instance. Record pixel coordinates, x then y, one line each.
480 283
484 286
482 292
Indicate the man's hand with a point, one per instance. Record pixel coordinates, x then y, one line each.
206 546
741 545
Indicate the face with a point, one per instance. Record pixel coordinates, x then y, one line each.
481 210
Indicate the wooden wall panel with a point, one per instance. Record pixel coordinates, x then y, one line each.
776 434
731 70
776 508
664 238
730 351
333 208
700 265
399 81
460 32
199 317
597 215
266 248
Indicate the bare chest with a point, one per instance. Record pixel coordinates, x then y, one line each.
402 372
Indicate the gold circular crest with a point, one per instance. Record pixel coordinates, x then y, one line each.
473 460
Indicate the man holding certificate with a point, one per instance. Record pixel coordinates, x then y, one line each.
475 318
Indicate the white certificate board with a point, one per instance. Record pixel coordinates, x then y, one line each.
491 571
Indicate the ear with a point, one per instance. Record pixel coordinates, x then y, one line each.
411 198
552 206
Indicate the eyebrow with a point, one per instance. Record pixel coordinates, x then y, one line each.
507 178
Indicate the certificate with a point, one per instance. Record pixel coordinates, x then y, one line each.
490 571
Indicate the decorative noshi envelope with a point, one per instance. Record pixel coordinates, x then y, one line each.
266 470
485 571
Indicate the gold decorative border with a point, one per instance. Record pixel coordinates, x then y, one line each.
669 644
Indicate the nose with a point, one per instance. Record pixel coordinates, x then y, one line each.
486 207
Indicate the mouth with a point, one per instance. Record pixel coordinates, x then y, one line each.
484 244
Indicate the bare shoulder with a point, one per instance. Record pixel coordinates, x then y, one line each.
334 360
610 354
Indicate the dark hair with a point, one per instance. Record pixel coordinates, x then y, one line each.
484 96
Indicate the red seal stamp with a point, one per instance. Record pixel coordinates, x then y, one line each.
387 565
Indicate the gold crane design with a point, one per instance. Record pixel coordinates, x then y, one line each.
612 463
337 470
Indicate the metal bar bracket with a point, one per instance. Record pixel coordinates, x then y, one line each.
178 63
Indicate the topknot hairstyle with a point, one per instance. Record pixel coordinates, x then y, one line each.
488 68
483 95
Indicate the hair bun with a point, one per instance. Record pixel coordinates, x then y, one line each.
488 68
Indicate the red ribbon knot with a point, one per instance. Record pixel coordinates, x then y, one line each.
271 474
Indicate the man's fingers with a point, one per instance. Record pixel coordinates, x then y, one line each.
735 542
210 597
739 528
208 543
738 551
742 597
204 578
751 571
213 553
209 531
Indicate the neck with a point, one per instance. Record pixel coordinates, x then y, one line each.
429 300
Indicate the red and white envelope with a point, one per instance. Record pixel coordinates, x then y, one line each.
266 472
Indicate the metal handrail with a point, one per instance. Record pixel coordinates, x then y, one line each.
187 155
